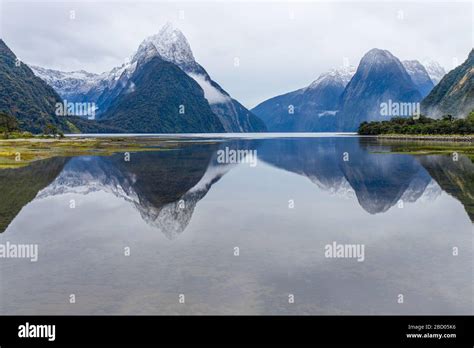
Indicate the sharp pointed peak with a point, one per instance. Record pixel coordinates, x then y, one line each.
169 27
169 32
471 54
169 43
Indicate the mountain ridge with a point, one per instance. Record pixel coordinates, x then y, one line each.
343 107
25 96
170 45
419 76
311 108
454 94
380 78
153 98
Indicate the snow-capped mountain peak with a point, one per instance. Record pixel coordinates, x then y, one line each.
340 75
413 67
435 70
380 60
50 74
377 56
169 44
419 76
67 84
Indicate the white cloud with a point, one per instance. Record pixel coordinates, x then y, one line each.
281 45
212 94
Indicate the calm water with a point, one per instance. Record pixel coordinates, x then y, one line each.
182 213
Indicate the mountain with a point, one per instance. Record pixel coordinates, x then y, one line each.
169 45
72 86
308 109
380 78
454 94
172 46
25 96
150 102
434 70
419 76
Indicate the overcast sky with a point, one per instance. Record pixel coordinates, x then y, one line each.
281 46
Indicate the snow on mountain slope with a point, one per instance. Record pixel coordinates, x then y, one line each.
341 75
171 45
435 70
313 107
69 85
419 76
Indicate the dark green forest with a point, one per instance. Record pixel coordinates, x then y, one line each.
422 126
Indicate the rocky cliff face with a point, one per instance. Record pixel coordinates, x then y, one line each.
454 94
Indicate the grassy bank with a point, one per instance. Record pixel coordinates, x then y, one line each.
419 146
21 152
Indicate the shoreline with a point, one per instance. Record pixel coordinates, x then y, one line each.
116 138
440 138
15 153
19 152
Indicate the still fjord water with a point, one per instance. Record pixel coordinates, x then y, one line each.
181 213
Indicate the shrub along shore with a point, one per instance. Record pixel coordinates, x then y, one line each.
446 138
447 128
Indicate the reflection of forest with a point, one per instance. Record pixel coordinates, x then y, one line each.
454 177
20 186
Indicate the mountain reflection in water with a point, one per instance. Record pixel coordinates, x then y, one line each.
357 191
